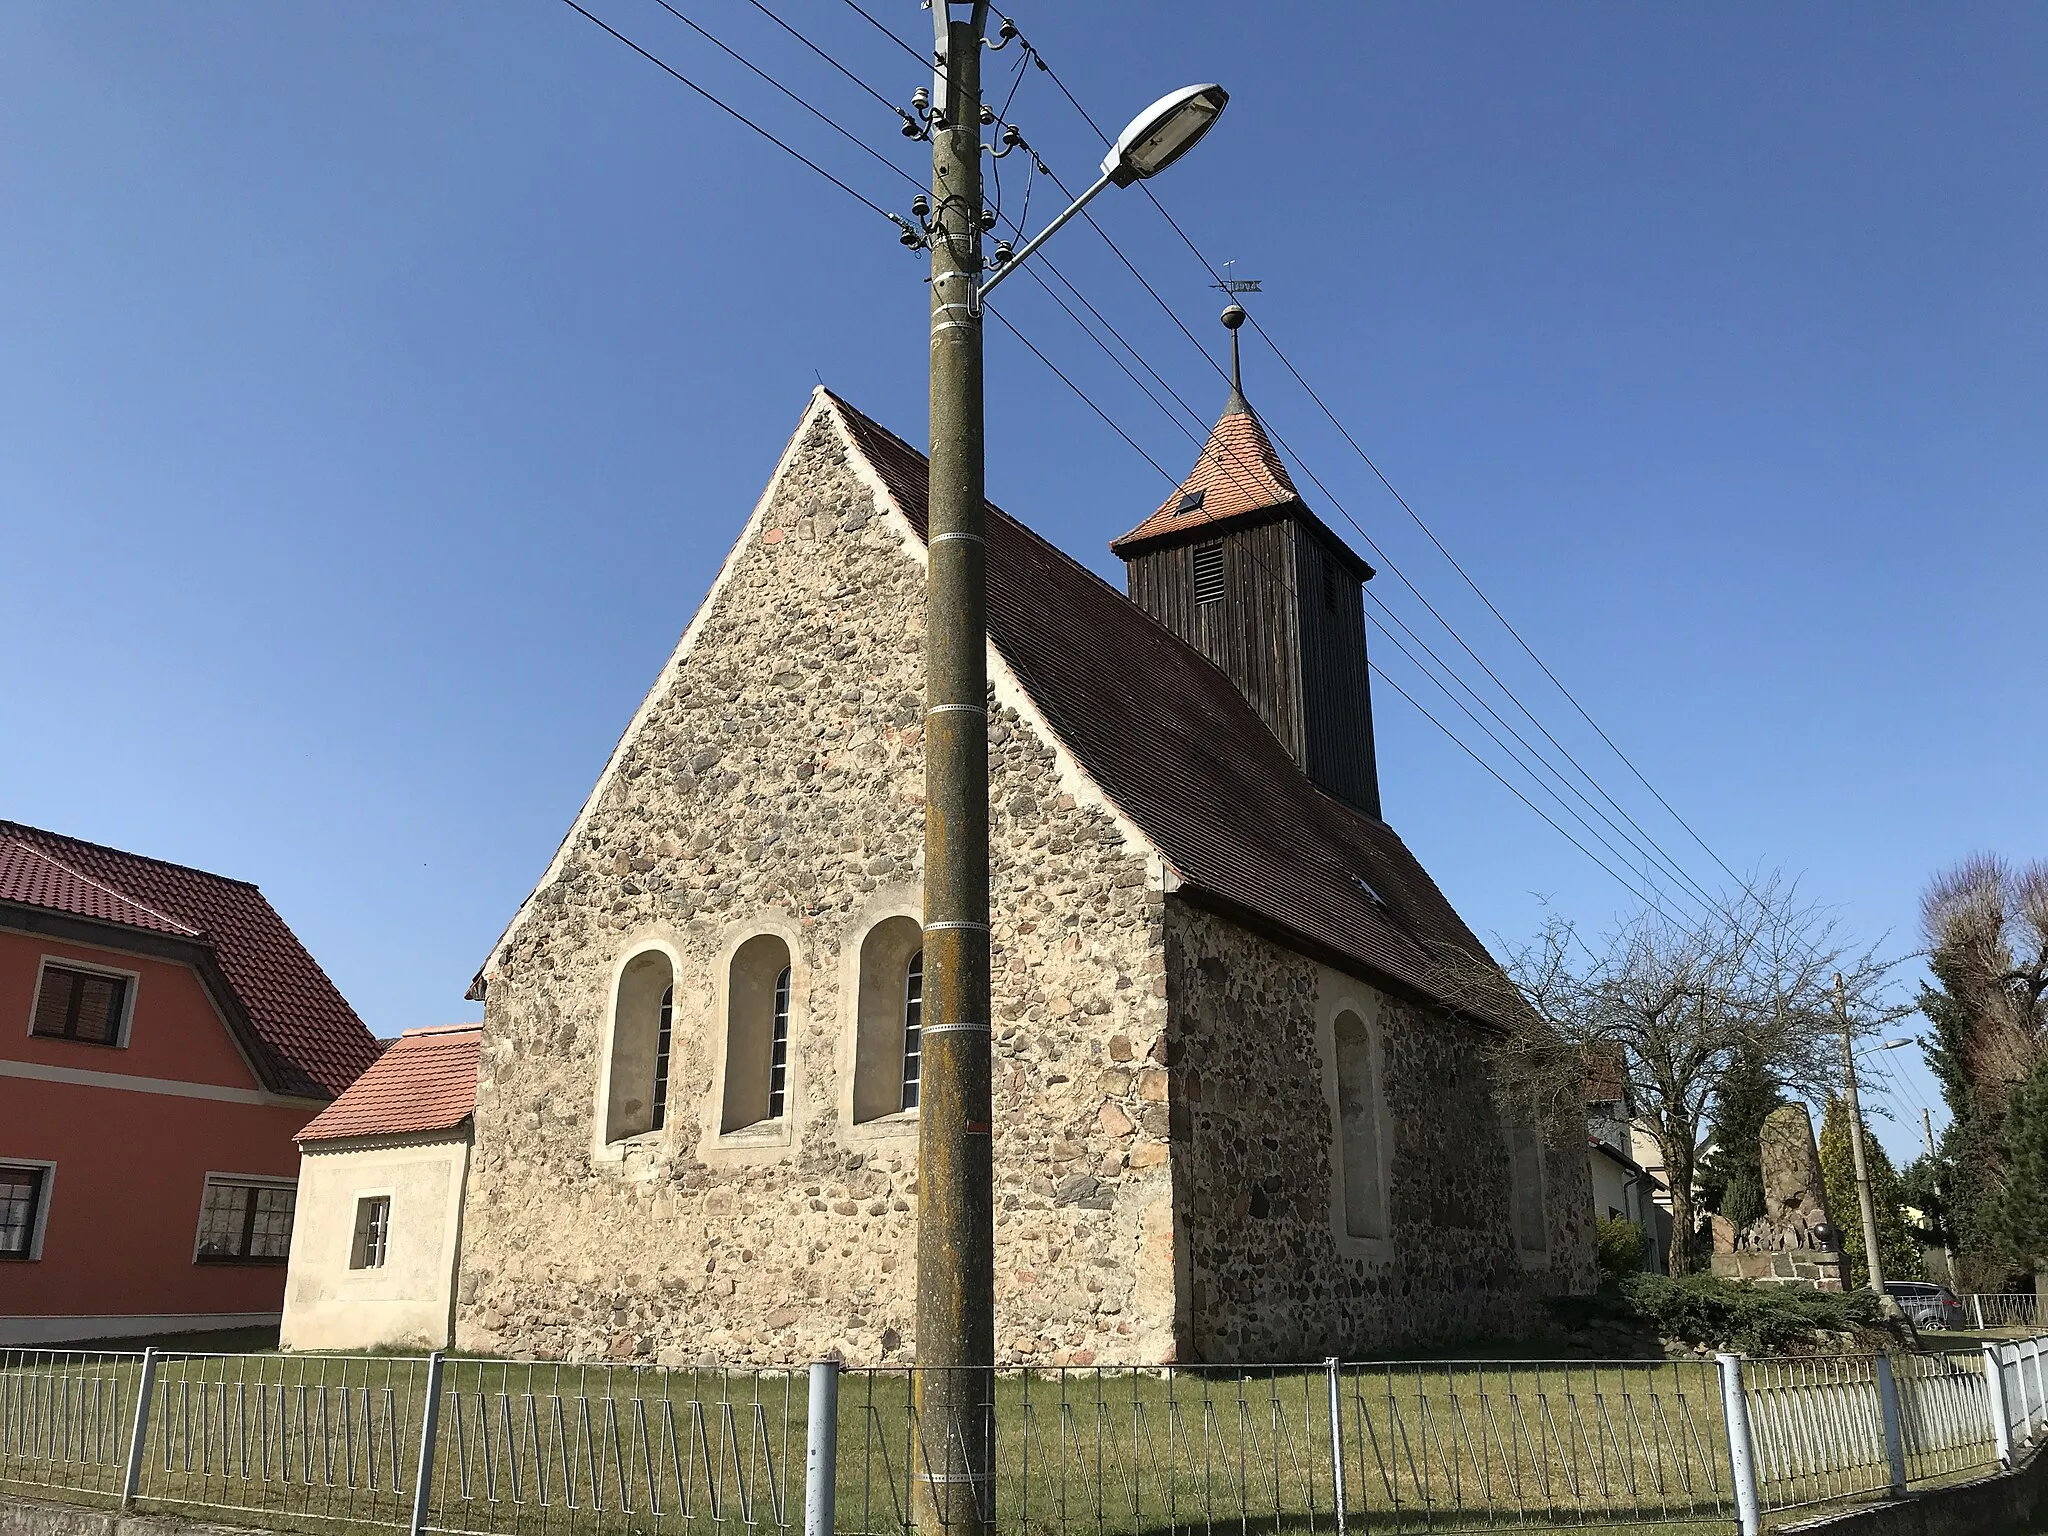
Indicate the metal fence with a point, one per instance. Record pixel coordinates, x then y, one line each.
501 1448
2019 1309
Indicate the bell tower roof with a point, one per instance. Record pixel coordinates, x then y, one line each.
1237 475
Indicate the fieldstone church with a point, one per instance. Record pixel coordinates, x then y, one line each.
1236 1118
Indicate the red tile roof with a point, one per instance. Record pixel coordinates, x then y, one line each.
1238 475
1174 744
426 1081
304 1037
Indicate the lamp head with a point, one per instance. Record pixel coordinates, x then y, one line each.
1163 132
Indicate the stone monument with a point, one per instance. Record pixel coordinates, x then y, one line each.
1793 1242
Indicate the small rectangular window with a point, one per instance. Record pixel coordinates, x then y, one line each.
244 1222
373 1232
1192 502
81 1005
1208 573
21 1209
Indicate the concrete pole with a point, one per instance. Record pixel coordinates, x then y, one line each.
1872 1258
955 1381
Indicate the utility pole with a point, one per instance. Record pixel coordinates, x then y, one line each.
954 1385
1872 1257
1948 1253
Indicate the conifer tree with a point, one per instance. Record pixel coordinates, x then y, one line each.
2019 1215
1733 1175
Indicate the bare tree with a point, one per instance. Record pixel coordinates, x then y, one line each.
1986 924
1676 1002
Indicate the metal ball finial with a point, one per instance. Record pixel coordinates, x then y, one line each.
1234 316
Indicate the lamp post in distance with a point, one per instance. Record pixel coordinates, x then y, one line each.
953 1486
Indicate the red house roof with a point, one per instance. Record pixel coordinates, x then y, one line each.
426 1081
300 1031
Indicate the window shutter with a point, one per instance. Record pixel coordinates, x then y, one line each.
1209 573
99 1008
53 1000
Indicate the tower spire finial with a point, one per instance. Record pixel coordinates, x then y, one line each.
1233 318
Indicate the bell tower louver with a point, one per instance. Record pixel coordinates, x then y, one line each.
1237 565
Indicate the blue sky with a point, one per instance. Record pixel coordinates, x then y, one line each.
380 387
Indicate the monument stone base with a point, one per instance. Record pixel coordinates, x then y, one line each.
1810 1267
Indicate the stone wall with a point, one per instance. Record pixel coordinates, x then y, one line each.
773 782
1251 1095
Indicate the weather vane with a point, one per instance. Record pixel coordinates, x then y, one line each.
1235 285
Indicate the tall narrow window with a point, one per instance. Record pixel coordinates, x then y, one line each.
664 1037
79 1005
778 1057
1329 586
372 1234
1208 573
21 1209
758 1002
913 1029
1525 1188
890 1011
643 1018
1358 1130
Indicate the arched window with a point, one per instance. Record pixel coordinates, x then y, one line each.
757 1034
890 1014
643 1017
913 1029
1360 1159
1525 1187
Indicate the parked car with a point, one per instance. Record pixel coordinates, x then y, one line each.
1926 1304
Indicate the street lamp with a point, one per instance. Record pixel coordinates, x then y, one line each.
1156 137
954 1386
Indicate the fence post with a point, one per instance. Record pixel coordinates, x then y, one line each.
1741 1457
1977 1309
430 1425
821 1449
131 1479
1894 1426
1334 1371
1994 1388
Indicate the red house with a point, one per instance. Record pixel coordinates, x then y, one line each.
163 1037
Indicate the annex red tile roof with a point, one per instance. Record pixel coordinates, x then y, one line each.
1237 475
305 1038
1174 744
425 1081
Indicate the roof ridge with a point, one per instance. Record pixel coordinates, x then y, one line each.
439 1029
15 827
98 884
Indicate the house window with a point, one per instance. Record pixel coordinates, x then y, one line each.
1360 1162
24 1202
373 1232
73 1004
1208 573
643 1021
1525 1188
244 1221
757 1034
913 1029
890 1010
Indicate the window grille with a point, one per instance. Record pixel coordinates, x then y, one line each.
664 1031
241 1223
21 1199
778 1056
80 1005
373 1232
1208 573
913 1029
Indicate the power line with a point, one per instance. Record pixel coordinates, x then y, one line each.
1405 506
886 32
732 112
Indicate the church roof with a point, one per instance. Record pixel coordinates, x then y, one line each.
1177 748
1237 476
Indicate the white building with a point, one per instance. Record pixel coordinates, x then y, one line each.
376 1248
